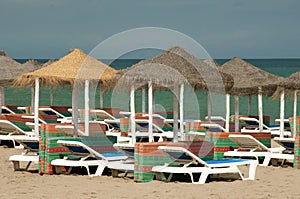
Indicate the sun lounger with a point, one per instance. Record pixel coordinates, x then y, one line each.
251 147
14 125
89 157
31 146
8 109
287 143
62 113
191 164
213 127
252 126
125 148
68 129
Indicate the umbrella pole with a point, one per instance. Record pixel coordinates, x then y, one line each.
175 116
227 112
260 111
144 100
150 111
182 137
32 99
51 95
86 107
295 114
36 107
249 105
209 105
282 114
75 96
101 96
132 114
1 98
236 114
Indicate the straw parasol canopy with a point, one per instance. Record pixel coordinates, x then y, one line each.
288 85
292 82
175 65
211 62
50 61
248 78
10 69
75 66
32 65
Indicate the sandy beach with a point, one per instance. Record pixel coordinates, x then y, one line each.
271 182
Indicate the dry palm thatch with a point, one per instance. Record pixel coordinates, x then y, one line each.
175 66
248 78
32 65
75 66
50 61
289 85
10 69
211 62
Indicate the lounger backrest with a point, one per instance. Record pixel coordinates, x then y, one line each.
181 155
97 139
248 142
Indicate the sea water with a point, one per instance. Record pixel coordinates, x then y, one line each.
195 103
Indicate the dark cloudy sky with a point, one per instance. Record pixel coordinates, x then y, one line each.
225 28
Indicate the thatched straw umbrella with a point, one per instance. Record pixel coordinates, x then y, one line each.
290 86
170 69
211 62
50 61
250 80
32 64
9 70
35 65
74 69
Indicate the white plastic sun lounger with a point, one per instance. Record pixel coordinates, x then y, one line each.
287 143
192 164
254 127
29 156
89 157
213 127
251 147
13 132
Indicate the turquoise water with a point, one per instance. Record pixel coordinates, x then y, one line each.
195 103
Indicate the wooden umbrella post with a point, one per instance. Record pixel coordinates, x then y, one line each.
150 107
260 111
132 114
181 118
227 112
175 116
86 108
282 114
295 114
36 107
236 113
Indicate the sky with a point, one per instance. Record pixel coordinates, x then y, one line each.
243 28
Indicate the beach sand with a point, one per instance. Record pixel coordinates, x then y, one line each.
271 182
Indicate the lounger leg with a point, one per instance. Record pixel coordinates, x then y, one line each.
158 176
252 170
28 165
202 178
266 161
114 173
16 165
99 171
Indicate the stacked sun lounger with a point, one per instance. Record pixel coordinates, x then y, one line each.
147 156
297 141
49 149
95 150
222 143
